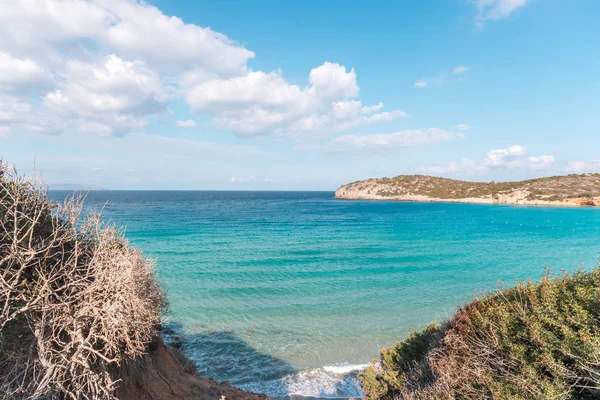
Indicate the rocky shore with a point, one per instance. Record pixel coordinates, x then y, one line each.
164 374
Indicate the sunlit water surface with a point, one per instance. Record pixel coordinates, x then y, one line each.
289 293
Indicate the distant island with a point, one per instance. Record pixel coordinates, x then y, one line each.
567 190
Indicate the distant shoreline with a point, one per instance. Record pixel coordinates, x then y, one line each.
558 191
465 201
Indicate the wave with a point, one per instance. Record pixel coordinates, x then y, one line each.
339 381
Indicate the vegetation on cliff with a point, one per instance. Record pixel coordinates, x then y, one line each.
554 188
80 309
77 301
532 341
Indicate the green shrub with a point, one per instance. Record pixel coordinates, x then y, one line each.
533 341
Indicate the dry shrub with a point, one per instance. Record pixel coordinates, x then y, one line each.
76 300
533 341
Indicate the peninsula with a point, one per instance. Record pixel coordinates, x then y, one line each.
567 190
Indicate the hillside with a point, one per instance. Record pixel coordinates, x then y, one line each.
82 308
533 341
567 190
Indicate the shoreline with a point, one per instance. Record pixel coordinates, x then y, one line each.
413 199
557 191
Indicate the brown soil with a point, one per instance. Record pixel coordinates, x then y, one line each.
161 377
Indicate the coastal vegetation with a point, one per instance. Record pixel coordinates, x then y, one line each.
77 300
81 314
532 341
81 308
569 189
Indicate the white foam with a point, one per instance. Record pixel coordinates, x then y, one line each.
344 368
330 381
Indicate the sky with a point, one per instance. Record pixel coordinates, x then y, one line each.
274 95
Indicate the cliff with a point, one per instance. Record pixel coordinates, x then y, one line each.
82 308
532 341
160 375
568 190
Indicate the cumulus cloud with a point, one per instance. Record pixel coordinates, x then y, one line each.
18 75
509 158
505 157
130 28
114 97
188 123
463 127
491 10
103 66
259 103
107 66
333 81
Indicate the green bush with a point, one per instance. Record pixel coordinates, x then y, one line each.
532 341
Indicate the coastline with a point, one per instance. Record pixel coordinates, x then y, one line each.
425 199
554 191
515 200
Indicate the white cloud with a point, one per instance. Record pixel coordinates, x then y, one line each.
440 79
130 28
169 43
13 111
103 66
188 123
390 141
466 164
114 97
540 162
463 127
460 69
239 179
107 66
259 103
332 81
421 83
490 10
505 157
584 166
510 158
18 74
339 117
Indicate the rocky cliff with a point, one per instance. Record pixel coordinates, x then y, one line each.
161 375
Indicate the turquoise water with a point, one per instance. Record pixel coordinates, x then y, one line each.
290 292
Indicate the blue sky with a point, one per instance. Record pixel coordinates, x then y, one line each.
272 95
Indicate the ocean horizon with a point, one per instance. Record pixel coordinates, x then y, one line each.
290 293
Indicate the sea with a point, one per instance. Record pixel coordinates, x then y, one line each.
292 293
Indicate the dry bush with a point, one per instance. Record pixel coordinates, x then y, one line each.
76 300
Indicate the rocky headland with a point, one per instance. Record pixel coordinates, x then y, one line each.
567 190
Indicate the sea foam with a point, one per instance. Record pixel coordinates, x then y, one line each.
331 381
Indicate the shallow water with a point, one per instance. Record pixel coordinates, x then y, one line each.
289 293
